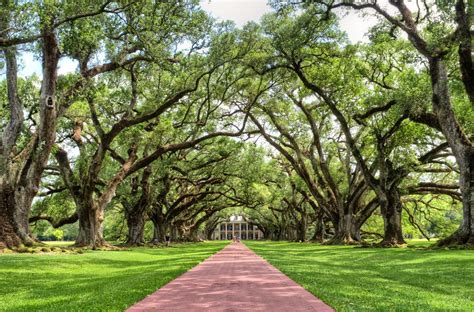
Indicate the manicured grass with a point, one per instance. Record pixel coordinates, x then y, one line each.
59 243
95 280
377 279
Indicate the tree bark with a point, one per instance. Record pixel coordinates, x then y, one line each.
462 150
392 216
468 199
91 218
465 233
193 235
347 231
301 229
194 229
8 228
135 214
174 232
21 171
91 209
159 231
136 228
211 226
318 235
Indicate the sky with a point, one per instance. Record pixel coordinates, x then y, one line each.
243 11
239 11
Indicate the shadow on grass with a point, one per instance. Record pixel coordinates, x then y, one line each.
375 279
93 281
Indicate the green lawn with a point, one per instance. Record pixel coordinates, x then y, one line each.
377 279
59 243
93 281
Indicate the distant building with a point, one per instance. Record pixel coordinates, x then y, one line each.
238 227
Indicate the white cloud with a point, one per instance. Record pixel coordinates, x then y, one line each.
356 25
239 11
243 11
67 65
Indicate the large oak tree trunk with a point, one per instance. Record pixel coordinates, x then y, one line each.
159 231
136 214
175 236
90 227
136 227
8 228
209 235
23 200
468 197
318 235
347 231
269 234
301 229
21 171
465 233
92 209
193 235
461 147
392 216
15 209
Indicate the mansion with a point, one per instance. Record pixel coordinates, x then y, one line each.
236 227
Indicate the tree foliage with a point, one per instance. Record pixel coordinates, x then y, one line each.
171 122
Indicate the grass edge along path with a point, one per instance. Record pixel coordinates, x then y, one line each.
377 279
95 280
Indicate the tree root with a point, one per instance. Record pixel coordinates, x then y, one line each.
342 241
460 237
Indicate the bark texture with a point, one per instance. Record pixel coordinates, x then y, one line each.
90 228
392 216
160 230
136 213
318 235
8 232
347 231
136 228
461 147
21 170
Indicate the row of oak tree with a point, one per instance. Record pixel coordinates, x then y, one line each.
172 117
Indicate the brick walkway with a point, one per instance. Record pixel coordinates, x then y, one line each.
234 279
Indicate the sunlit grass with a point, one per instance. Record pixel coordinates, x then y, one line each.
93 281
377 279
59 243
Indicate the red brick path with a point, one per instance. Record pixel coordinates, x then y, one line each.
234 279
